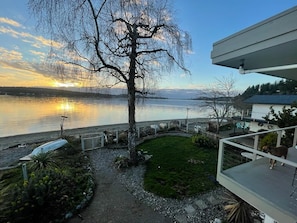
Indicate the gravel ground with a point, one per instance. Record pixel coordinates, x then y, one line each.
132 180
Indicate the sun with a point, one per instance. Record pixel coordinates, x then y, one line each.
66 106
60 84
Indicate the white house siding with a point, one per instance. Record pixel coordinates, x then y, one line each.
261 110
258 112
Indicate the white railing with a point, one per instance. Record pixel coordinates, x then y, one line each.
238 142
246 177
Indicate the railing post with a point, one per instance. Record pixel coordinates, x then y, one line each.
279 136
93 143
102 140
220 157
117 136
82 143
138 132
24 170
256 143
295 137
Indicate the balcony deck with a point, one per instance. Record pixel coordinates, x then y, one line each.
267 190
273 186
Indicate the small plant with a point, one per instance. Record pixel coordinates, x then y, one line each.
121 162
226 127
269 140
203 141
43 161
238 210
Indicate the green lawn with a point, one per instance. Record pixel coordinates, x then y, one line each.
178 167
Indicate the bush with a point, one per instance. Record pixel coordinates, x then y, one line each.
226 127
52 193
238 210
269 140
203 141
121 162
47 195
42 161
33 200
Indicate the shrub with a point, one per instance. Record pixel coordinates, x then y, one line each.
47 195
238 210
50 194
121 162
203 141
43 161
226 127
34 199
268 140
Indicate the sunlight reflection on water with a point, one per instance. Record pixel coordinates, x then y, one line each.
21 115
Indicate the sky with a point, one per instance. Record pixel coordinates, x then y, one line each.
22 47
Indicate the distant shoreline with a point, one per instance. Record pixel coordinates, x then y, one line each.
48 92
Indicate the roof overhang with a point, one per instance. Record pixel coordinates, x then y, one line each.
270 44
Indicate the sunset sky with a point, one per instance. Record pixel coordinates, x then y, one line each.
23 49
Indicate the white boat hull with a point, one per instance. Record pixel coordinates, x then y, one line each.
44 148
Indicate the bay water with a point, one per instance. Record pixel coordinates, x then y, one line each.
22 115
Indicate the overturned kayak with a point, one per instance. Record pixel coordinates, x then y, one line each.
44 148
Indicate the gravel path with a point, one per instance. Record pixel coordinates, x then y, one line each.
112 202
120 197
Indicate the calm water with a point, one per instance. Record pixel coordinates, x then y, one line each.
21 115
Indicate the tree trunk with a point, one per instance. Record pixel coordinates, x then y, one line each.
132 124
131 98
218 126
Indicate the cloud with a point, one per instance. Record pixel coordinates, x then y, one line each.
9 22
21 73
190 52
23 78
13 61
46 42
38 53
36 41
10 55
30 72
183 75
22 63
198 86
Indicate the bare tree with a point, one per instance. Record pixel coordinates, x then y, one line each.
116 41
219 100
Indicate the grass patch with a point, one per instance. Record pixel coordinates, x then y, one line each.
178 167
